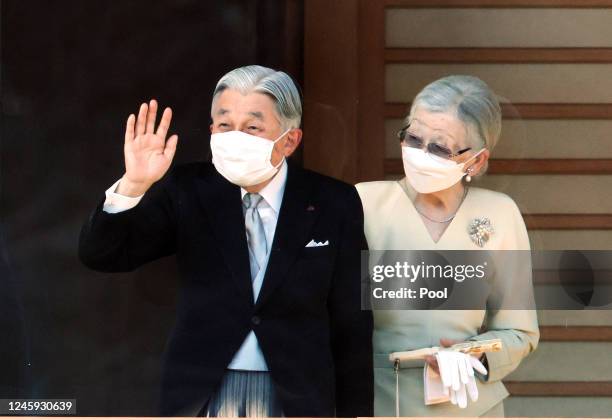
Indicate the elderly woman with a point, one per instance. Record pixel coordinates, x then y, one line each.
446 140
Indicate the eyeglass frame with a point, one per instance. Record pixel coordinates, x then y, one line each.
401 135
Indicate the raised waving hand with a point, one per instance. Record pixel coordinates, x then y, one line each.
147 153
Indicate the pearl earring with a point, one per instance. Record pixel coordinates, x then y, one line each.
468 178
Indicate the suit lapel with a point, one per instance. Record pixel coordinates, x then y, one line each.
297 215
223 204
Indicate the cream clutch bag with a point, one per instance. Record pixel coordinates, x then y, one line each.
465 347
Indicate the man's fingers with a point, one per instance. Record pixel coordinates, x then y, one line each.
170 148
129 128
151 115
142 119
164 123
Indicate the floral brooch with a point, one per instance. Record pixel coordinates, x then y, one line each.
480 230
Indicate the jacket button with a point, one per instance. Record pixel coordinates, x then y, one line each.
256 320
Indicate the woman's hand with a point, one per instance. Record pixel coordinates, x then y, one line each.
446 342
147 153
456 370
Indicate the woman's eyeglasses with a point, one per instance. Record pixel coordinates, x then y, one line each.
433 148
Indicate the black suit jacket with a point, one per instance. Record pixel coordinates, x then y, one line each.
308 319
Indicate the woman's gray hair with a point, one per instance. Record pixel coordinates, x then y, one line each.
470 100
276 84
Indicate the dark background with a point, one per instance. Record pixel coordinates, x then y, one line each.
71 73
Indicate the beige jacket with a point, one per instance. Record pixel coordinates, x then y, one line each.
392 223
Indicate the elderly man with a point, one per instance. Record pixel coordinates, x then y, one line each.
268 318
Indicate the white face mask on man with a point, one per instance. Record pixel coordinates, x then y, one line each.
429 174
243 159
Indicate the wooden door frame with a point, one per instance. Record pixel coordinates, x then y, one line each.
344 88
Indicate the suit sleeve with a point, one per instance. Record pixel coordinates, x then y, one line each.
117 242
517 328
351 327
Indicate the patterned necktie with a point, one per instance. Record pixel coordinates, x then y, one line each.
256 237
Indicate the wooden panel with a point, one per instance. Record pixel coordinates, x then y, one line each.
561 389
520 27
555 139
554 194
330 87
371 123
557 111
585 333
531 166
569 318
518 83
498 55
344 88
500 3
558 239
558 362
529 111
551 166
568 221
558 407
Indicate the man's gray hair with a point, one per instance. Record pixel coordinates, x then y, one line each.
470 100
276 84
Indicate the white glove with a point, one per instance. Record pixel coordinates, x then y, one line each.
457 373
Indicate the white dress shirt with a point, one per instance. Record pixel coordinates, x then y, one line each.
249 356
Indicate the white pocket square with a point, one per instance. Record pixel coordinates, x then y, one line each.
314 243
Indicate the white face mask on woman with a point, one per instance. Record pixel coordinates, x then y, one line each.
243 159
429 174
